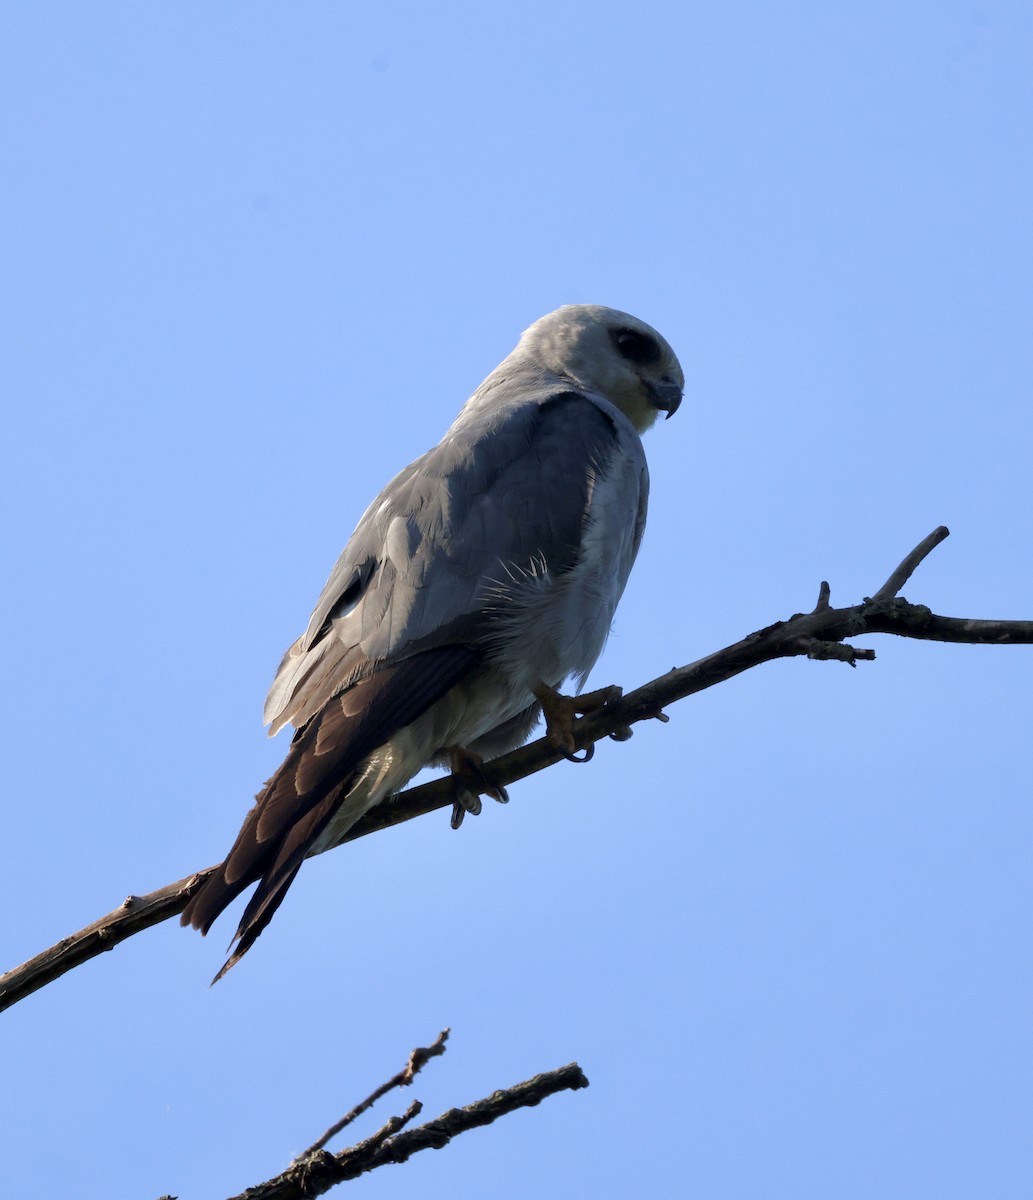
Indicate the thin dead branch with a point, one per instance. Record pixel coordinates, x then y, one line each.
318 1171
417 1060
911 564
823 633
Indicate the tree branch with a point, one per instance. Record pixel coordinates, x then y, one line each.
417 1061
911 564
319 1171
819 634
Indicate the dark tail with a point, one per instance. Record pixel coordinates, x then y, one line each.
296 805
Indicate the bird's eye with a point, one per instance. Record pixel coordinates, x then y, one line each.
636 347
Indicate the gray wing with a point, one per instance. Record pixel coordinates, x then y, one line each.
499 493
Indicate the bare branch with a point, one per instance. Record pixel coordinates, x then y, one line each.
134 914
318 1172
911 564
819 634
417 1060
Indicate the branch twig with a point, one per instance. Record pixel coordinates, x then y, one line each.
319 1171
818 634
417 1061
911 564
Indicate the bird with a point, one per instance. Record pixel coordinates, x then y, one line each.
484 576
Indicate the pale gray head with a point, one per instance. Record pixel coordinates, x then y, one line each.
608 352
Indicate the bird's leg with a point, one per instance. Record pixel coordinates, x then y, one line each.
559 712
468 768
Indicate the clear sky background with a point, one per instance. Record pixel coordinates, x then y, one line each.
255 256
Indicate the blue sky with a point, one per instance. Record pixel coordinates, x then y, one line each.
254 258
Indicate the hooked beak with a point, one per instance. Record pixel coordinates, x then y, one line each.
666 395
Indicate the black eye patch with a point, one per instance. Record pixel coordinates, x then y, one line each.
636 347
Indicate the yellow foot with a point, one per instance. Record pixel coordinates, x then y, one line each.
468 768
560 711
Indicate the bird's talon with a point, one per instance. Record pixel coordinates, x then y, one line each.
471 781
470 802
560 711
585 756
466 801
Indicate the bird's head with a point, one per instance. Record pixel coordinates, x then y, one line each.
611 353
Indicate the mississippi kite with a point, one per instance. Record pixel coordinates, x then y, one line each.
482 577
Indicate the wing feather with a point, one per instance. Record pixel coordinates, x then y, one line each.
501 492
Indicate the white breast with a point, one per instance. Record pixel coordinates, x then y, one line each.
555 627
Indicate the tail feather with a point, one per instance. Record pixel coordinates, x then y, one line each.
272 887
325 758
